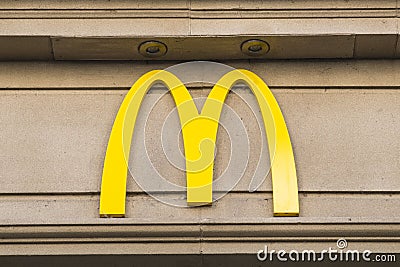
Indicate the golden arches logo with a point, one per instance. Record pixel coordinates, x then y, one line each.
196 128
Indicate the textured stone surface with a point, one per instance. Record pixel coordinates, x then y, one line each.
342 74
343 117
55 141
200 30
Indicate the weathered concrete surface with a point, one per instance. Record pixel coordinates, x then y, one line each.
343 117
320 74
197 30
55 141
223 47
234 208
56 120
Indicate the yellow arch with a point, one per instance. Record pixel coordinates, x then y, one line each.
199 156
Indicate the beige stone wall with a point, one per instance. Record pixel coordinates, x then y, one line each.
66 66
343 118
193 30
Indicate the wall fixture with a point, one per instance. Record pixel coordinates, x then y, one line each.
152 49
255 47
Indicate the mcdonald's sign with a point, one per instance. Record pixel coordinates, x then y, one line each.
195 128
